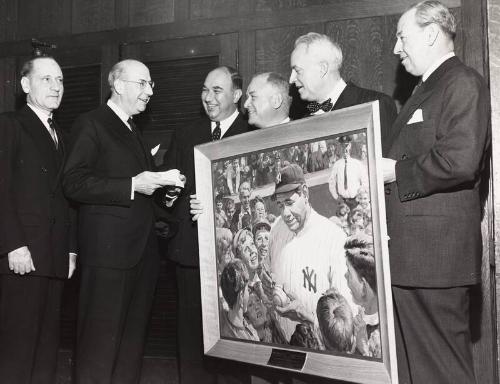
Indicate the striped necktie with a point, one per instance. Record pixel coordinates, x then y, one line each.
52 131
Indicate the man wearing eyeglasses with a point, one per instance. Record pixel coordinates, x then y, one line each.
109 173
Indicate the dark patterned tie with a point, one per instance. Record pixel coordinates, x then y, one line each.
325 106
217 132
345 174
52 131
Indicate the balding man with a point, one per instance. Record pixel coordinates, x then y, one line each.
268 100
35 228
436 155
108 173
316 61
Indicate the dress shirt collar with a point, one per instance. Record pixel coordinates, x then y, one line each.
226 123
119 112
42 115
436 65
333 95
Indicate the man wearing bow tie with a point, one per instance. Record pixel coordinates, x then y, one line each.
435 160
220 96
36 229
316 61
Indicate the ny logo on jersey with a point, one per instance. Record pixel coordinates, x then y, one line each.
309 276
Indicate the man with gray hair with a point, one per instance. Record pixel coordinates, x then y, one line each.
268 100
435 157
109 173
316 61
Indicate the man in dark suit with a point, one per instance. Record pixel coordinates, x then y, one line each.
435 157
35 229
108 173
316 61
220 96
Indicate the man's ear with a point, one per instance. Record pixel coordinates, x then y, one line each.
237 93
305 191
323 65
276 100
432 33
118 86
25 84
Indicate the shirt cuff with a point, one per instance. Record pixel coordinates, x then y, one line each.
132 190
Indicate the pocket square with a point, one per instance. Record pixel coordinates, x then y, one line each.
417 117
155 150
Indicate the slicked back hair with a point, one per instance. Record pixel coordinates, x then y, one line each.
434 12
28 65
330 50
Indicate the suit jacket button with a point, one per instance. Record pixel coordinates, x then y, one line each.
404 156
44 169
387 190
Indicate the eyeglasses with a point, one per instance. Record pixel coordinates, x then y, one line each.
142 83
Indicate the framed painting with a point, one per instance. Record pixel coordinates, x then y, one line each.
293 248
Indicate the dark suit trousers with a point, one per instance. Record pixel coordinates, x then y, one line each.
433 338
30 311
113 316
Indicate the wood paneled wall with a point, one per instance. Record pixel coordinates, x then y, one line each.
255 36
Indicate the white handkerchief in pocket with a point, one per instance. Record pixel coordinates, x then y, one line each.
417 117
155 150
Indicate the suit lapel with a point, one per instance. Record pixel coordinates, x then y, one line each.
418 98
346 98
239 126
49 156
126 136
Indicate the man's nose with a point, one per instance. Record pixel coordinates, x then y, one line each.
397 47
293 76
247 103
55 85
208 96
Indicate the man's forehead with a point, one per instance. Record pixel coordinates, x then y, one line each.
218 78
138 70
46 66
405 21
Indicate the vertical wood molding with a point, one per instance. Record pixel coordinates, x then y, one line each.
246 56
8 80
494 70
229 50
473 14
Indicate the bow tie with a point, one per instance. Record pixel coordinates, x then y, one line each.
325 106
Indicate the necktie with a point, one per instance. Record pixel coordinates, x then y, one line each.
345 174
419 84
217 132
52 130
132 125
325 106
